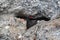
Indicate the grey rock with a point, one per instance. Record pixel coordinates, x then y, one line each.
11 28
44 31
51 7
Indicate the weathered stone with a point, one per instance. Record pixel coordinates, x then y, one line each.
13 28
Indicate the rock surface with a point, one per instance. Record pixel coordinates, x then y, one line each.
44 31
13 28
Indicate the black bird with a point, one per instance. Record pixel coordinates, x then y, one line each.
31 19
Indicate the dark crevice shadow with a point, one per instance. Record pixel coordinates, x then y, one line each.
32 19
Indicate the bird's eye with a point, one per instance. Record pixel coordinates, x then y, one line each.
30 17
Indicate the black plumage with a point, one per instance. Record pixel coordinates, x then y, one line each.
31 19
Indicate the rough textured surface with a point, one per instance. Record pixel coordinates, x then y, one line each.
44 31
51 7
12 28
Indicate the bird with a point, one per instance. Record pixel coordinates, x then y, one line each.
31 19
